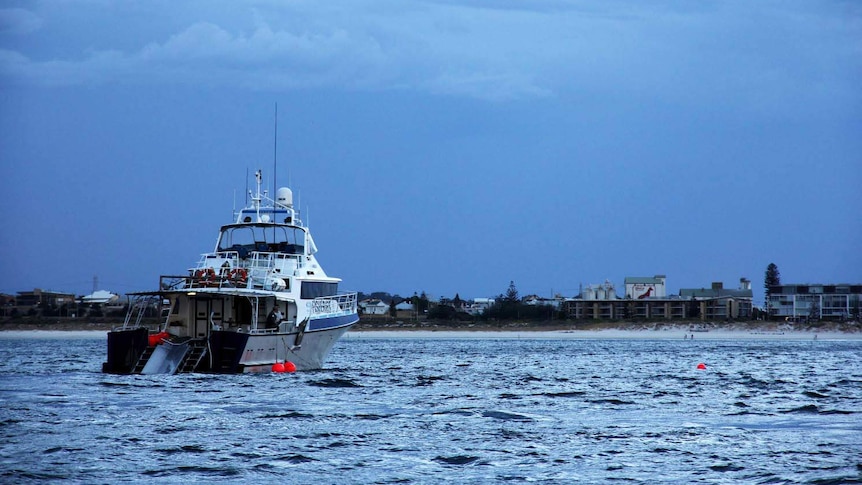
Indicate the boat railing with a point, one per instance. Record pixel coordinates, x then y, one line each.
225 269
328 306
140 307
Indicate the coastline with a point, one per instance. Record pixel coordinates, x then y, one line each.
604 334
628 331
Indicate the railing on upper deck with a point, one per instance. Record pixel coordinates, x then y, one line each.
329 306
225 269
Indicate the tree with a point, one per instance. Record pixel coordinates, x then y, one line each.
693 308
392 310
772 278
423 303
814 309
512 292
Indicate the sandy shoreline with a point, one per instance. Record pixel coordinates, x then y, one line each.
606 334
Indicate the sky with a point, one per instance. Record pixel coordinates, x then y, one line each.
436 146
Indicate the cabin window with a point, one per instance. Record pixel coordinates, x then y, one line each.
262 237
316 289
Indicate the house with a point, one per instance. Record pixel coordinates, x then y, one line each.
100 297
480 305
374 306
404 306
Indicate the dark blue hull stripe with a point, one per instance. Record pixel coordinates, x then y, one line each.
332 322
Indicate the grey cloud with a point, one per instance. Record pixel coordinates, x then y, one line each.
490 50
18 21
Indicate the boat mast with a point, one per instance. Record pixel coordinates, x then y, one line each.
275 152
274 168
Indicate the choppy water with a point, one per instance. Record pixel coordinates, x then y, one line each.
460 411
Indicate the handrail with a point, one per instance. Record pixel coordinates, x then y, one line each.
343 304
259 266
138 308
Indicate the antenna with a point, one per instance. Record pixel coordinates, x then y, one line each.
275 151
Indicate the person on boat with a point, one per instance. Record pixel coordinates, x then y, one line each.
272 319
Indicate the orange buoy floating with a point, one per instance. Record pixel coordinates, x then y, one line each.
289 367
701 366
278 367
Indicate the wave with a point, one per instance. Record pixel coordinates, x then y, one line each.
456 460
334 382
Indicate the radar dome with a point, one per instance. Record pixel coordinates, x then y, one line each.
284 197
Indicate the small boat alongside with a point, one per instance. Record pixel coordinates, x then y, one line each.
260 301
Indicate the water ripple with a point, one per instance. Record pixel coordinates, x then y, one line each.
430 411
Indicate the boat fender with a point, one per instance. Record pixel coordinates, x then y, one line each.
300 333
157 338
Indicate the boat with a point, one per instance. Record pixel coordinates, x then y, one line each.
260 301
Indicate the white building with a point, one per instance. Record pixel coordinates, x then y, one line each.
100 297
480 305
639 287
404 306
373 306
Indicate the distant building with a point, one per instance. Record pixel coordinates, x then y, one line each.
535 300
639 287
815 301
480 305
719 303
605 291
43 299
404 306
374 306
100 297
7 304
646 300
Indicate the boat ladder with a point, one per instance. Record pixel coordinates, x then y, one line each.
196 353
143 359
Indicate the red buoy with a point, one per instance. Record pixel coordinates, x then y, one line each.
701 366
289 367
278 367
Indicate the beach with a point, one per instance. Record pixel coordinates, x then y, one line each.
605 334
663 333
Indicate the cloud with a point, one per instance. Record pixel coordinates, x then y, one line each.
490 50
18 21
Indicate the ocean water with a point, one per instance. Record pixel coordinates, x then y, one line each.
444 411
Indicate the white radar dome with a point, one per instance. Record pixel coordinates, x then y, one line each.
284 197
